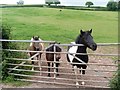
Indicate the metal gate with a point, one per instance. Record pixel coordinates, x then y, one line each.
101 68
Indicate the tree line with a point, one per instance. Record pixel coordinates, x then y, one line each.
111 5
49 2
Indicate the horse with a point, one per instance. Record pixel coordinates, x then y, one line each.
50 56
85 38
35 46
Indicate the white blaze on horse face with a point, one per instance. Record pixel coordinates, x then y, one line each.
72 49
37 45
31 44
33 40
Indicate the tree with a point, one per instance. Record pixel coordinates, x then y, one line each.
49 2
89 3
6 34
112 5
56 2
119 5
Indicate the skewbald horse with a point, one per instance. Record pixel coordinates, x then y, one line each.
35 46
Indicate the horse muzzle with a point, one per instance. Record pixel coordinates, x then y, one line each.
58 56
37 49
93 47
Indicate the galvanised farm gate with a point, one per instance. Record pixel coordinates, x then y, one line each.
101 68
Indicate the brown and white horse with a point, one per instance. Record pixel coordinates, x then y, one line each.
36 46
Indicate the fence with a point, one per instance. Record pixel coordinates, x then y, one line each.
101 67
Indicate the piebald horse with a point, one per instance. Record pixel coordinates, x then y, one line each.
36 46
85 38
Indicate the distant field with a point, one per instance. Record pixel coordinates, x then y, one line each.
64 26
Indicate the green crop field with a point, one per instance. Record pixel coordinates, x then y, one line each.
64 26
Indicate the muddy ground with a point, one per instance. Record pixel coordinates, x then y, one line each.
99 76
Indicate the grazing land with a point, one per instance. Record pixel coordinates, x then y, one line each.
62 26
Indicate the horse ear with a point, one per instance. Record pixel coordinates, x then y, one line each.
81 32
33 36
91 31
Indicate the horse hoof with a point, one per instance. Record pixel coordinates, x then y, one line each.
77 84
49 75
32 69
57 74
83 83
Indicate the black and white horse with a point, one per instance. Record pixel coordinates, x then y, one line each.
86 39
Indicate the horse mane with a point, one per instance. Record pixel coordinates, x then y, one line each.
78 40
51 48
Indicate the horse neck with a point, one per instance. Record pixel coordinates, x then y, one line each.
57 48
81 49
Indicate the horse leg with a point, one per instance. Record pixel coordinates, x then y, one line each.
39 62
84 67
57 64
32 64
72 68
48 69
75 69
82 72
52 64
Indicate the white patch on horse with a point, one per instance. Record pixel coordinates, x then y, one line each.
72 49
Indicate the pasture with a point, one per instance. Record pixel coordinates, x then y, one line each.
51 24
64 26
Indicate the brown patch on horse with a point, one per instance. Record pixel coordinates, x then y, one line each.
36 46
50 56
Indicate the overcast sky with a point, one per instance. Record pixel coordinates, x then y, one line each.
63 2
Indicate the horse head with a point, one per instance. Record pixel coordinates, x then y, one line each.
87 39
54 43
36 45
57 49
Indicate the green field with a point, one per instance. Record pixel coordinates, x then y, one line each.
64 26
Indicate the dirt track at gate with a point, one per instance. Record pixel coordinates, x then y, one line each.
92 59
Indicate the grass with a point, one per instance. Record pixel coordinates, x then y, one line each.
11 82
51 24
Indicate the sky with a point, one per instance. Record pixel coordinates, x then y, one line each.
63 2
